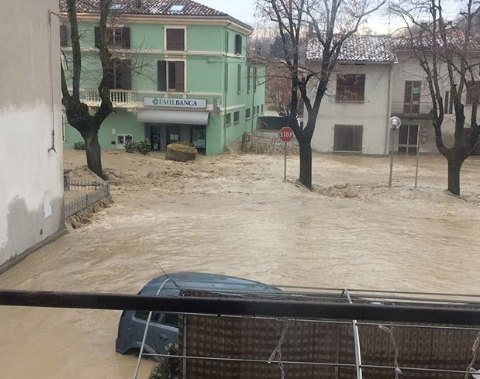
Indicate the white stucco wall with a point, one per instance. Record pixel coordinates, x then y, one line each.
31 185
372 114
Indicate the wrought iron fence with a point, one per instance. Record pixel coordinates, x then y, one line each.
94 193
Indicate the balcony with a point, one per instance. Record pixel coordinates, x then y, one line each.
415 110
119 98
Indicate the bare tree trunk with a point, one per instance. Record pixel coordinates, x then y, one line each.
305 163
454 166
93 152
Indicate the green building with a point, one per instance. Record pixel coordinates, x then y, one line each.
180 74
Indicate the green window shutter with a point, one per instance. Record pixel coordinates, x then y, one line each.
162 75
180 76
126 37
63 35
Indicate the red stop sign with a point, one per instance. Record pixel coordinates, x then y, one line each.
286 134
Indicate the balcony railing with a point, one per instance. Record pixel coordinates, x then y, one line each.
117 96
411 109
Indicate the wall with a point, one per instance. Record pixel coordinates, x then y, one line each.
372 114
30 112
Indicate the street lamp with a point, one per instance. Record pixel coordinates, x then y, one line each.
395 124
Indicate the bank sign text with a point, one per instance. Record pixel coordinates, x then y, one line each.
174 103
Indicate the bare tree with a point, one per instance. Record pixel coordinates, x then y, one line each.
448 53
78 113
330 23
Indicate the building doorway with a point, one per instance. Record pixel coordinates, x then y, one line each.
173 134
408 139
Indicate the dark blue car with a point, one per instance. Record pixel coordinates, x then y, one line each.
163 328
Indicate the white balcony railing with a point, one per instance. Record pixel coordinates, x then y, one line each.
117 96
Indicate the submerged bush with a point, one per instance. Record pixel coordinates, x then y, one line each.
130 147
79 146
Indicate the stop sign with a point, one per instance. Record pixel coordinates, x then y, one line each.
286 134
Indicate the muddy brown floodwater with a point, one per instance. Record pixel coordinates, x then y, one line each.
233 215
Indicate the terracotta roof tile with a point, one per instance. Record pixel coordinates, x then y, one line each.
358 48
147 7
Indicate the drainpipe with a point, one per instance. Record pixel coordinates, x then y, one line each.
389 110
225 89
50 61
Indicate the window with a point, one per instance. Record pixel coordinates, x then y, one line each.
448 107
117 37
64 36
348 138
261 109
248 78
176 8
411 102
239 78
254 79
176 39
228 119
171 76
254 113
236 117
350 88
121 75
247 113
258 109
227 41
473 90
238 44
170 319
143 315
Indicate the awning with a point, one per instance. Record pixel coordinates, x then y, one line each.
173 117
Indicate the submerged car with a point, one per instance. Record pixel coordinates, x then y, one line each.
163 328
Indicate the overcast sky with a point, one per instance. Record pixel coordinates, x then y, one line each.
380 23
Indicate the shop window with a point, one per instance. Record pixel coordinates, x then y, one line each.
228 119
350 88
171 76
238 44
348 138
247 113
120 76
236 117
117 37
176 39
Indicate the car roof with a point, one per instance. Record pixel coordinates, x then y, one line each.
204 282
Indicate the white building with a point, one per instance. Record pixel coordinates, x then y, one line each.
373 82
31 184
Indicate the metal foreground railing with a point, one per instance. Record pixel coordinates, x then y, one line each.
306 332
94 192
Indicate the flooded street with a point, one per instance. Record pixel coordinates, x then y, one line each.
233 215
